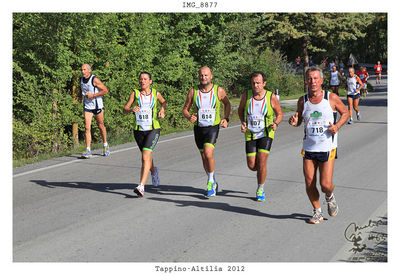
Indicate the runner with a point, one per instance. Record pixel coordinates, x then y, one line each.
320 140
146 126
341 67
378 72
353 85
92 91
324 64
256 112
207 120
298 59
335 80
363 75
331 65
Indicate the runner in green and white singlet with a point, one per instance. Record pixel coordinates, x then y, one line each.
256 112
146 126
207 98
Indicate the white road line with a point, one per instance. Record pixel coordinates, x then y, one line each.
113 152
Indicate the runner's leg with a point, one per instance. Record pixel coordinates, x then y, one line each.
88 123
310 176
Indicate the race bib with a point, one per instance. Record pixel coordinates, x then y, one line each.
255 123
317 130
144 117
206 117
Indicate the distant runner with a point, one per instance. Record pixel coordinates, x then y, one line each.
353 86
92 91
363 75
378 72
335 80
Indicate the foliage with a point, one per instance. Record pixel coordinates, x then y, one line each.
49 49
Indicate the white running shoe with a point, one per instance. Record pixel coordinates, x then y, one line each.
139 190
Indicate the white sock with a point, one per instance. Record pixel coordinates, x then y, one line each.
328 198
105 144
318 210
260 187
88 148
211 177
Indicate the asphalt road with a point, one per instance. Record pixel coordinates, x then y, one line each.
73 210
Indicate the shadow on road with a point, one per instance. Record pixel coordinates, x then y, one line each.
230 208
165 190
100 187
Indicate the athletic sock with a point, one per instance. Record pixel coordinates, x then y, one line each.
328 198
88 148
105 144
260 187
318 210
211 176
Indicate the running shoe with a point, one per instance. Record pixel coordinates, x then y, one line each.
106 151
212 188
139 190
260 195
154 177
333 208
350 121
317 217
87 154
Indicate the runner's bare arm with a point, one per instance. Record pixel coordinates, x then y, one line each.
102 89
338 105
297 118
277 110
188 105
242 104
160 99
127 108
227 106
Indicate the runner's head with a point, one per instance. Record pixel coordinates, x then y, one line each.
351 71
205 76
258 81
86 70
314 78
145 80
334 68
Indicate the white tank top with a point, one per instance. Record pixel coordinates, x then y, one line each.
256 116
144 118
88 87
352 85
334 78
317 138
206 105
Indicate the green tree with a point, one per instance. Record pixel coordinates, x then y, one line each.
311 32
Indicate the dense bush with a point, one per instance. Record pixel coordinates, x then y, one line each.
49 49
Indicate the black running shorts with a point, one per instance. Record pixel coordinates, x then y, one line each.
205 136
147 140
262 145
